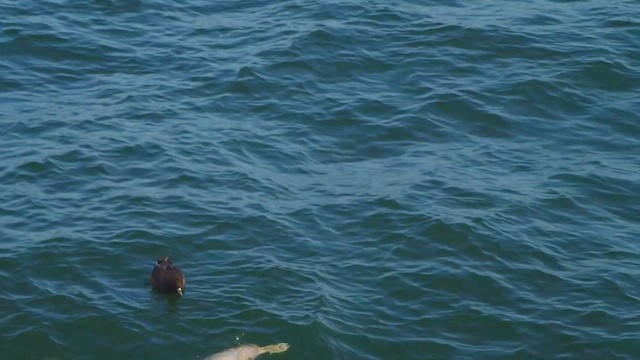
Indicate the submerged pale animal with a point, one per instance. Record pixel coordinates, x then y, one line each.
248 352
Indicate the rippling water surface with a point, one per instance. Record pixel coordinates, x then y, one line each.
363 180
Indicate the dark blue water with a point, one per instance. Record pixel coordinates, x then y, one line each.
363 180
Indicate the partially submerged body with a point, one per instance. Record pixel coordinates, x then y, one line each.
167 278
248 352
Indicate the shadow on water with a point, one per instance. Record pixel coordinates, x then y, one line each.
171 299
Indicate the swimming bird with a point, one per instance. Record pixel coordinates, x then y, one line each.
248 352
166 277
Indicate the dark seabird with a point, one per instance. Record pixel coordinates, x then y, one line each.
167 278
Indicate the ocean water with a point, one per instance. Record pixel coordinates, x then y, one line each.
361 179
